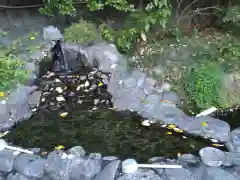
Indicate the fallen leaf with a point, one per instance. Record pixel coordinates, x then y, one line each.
59 147
64 114
2 94
169 133
171 126
204 124
100 84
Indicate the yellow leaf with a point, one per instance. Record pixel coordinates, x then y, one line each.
100 84
217 145
64 114
2 94
59 147
178 130
204 124
169 133
171 126
32 37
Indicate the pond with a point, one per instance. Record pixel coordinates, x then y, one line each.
76 110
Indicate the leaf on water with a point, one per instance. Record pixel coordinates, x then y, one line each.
59 147
64 114
217 145
100 84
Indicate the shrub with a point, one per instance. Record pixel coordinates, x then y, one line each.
82 32
12 71
203 84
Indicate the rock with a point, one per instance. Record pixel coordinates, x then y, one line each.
18 103
232 158
140 77
17 176
157 72
109 158
166 87
7 160
148 86
215 173
172 97
130 82
109 171
77 151
189 159
84 169
95 156
103 55
34 99
212 156
4 116
57 167
179 174
29 165
235 140
141 174
51 33
214 128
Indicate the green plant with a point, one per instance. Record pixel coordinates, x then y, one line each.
229 52
232 15
82 32
203 85
12 71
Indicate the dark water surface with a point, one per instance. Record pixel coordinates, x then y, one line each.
96 127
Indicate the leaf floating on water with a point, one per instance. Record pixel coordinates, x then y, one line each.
60 98
59 89
64 114
57 80
100 84
164 125
78 88
169 133
59 147
171 126
218 145
86 84
178 130
179 154
146 123
184 137
204 124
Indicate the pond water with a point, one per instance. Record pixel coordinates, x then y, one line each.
76 110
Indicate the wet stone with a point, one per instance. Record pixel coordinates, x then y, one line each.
214 173
109 171
212 156
84 169
130 82
18 176
30 165
143 174
189 159
7 160
149 85
77 151
179 174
